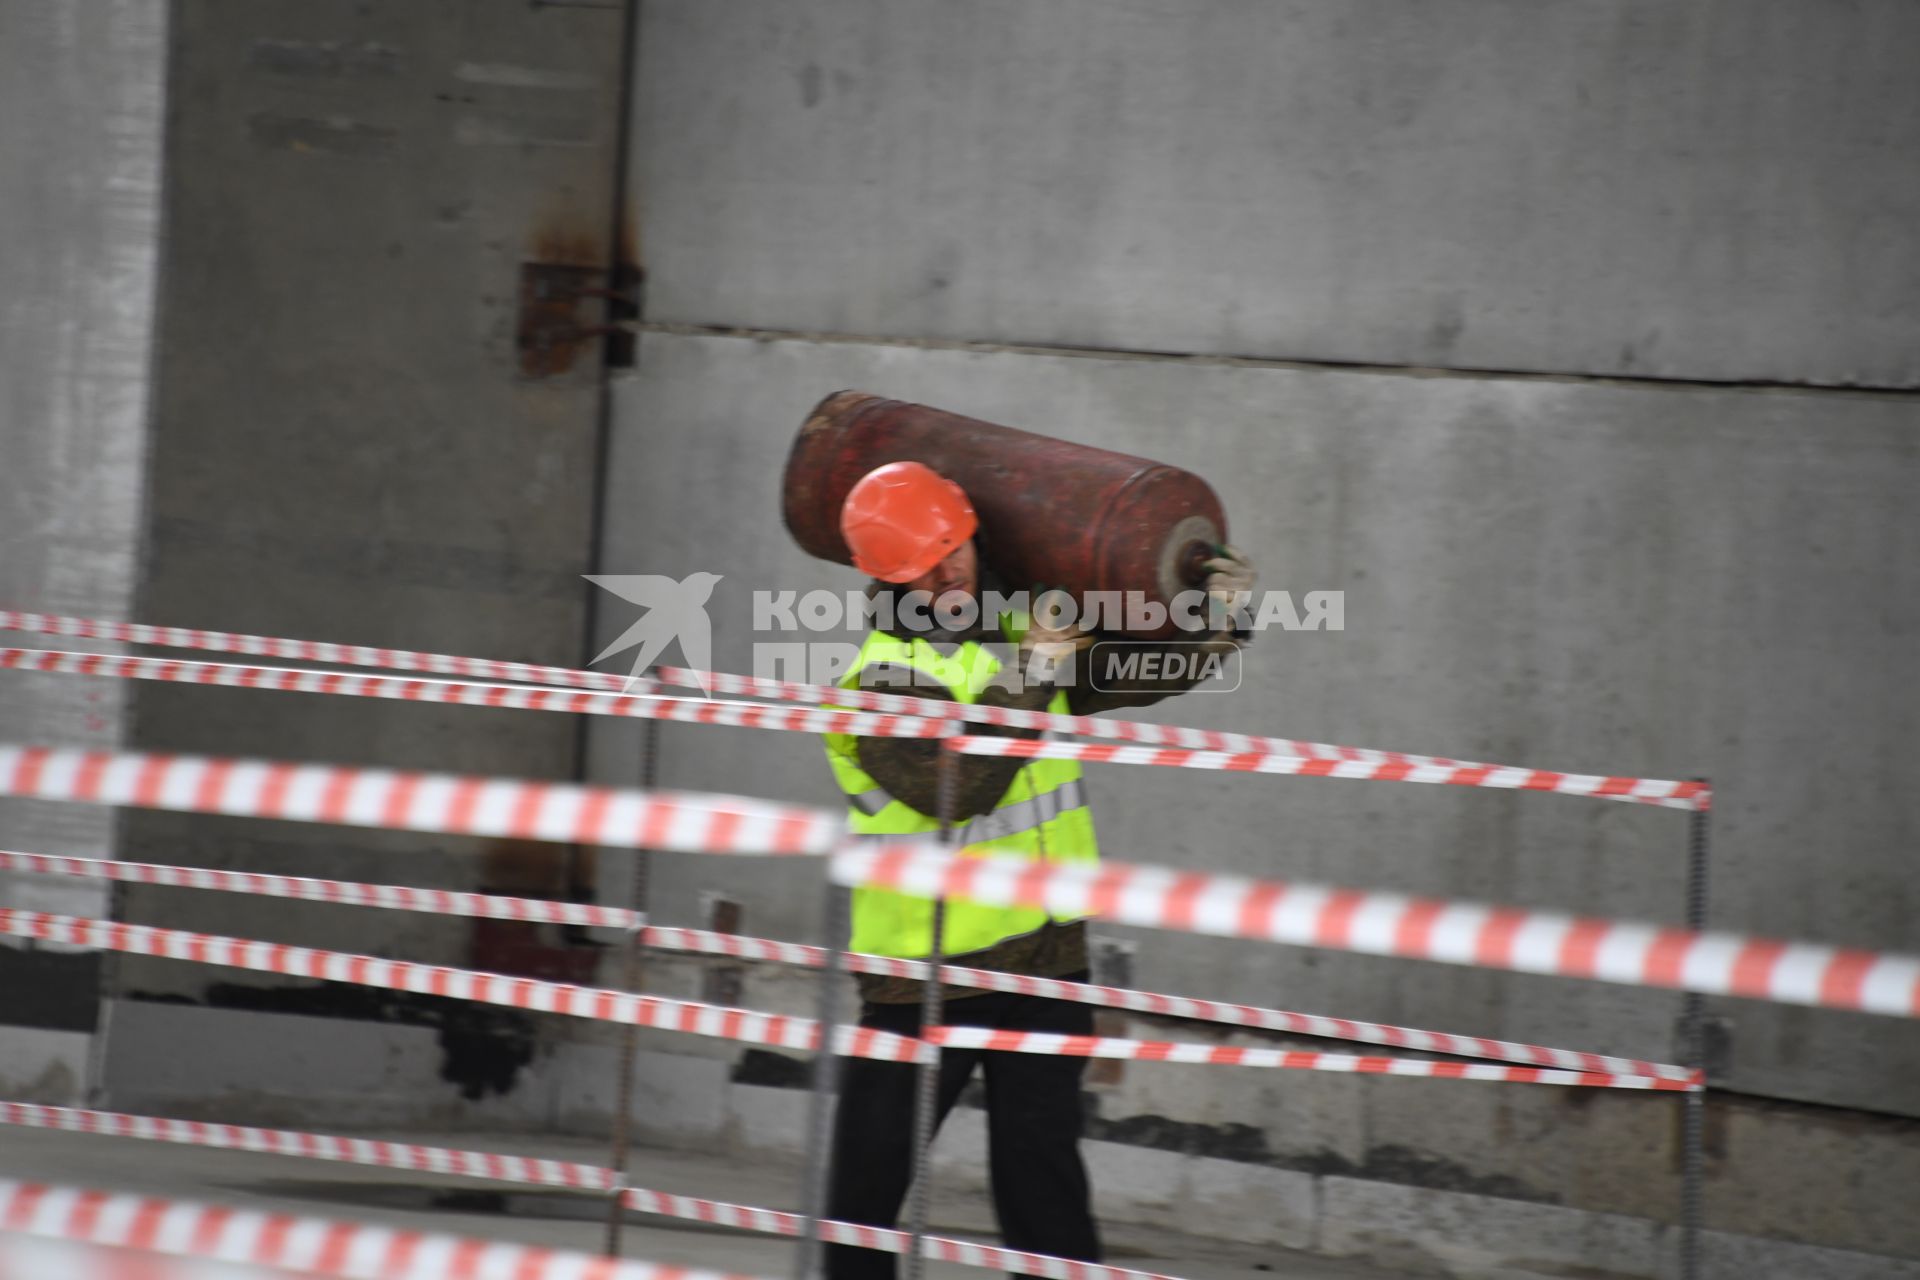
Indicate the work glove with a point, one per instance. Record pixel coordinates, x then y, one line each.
1229 587
1044 650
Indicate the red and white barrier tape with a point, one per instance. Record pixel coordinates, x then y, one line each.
314 1246
528 1170
1281 1059
713 681
31 1258
448 902
1655 791
534 1172
1545 1066
443 803
393 897
939 1248
1467 933
708 943
750 715
345 655
534 994
1233 751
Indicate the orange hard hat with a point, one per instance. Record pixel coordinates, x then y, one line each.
902 519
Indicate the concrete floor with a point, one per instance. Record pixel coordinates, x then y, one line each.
558 1219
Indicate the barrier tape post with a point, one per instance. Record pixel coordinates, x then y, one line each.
1693 1029
808 1259
927 1092
623 1095
630 1036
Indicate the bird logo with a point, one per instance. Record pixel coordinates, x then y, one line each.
674 610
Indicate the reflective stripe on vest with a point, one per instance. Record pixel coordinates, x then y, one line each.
996 824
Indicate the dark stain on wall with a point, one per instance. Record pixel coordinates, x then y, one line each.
1386 1162
52 990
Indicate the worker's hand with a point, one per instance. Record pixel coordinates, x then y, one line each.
1229 585
1056 641
1044 649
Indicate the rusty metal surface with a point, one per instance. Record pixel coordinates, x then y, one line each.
571 296
1052 513
552 332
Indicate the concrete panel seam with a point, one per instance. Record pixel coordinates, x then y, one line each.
826 338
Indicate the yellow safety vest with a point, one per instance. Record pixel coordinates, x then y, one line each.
1043 815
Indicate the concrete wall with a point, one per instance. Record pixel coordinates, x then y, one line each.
1572 575
1640 577
1603 568
345 447
1598 576
81 93
1715 190
1533 1183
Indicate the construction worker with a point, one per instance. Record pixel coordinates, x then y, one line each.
912 530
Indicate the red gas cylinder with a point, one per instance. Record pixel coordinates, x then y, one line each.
1052 514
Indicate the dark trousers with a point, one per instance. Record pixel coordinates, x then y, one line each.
1040 1192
